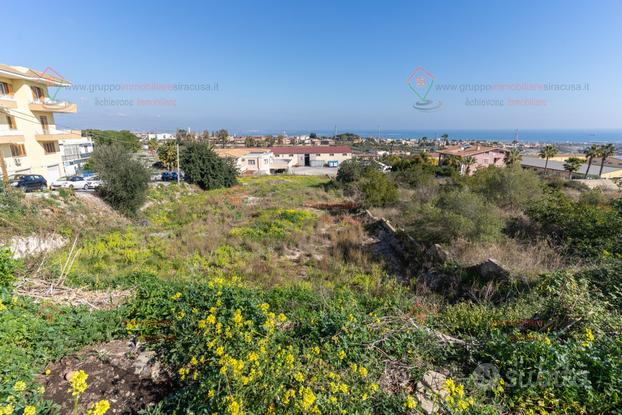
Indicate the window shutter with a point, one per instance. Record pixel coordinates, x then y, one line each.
10 88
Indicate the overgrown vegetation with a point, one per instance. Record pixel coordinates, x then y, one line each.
265 297
203 167
124 180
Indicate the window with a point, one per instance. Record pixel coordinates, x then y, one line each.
18 150
5 89
11 122
37 93
331 155
251 162
345 154
50 147
318 155
291 155
44 124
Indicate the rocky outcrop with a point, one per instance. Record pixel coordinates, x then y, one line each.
490 271
23 246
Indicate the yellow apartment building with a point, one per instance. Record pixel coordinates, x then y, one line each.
28 132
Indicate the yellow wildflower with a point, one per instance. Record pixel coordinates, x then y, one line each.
299 377
211 319
20 386
176 296
48 372
308 398
282 318
2 306
315 349
233 407
588 337
237 317
410 403
252 357
30 410
78 383
100 408
363 371
7 409
341 355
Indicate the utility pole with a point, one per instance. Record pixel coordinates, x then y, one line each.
178 178
5 173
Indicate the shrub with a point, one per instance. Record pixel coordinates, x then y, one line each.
507 187
203 167
124 180
585 230
7 268
351 171
458 214
377 189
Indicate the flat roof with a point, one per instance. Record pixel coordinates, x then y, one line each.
311 149
559 165
47 77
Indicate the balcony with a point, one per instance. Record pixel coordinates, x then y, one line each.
53 134
49 105
7 101
11 137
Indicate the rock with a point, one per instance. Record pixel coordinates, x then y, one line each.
490 270
22 246
429 390
437 255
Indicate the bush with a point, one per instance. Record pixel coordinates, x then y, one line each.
585 230
203 167
458 214
377 189
124 180
7 268
351 171
507 187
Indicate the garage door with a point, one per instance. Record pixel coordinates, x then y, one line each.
53 173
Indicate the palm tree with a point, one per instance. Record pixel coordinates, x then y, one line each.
604 152
591 153
467 162
546 153
572 164
513 157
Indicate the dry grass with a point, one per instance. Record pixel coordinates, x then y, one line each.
519 258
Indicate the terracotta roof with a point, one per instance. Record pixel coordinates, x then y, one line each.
468 151
311 149
239 152
47 77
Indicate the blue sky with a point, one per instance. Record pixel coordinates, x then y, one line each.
310 65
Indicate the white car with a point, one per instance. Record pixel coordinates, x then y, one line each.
93 182
69 182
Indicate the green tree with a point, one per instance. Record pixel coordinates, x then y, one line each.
605 152
223 137
123 137
152 144
572 164
182 135
167 153
546 153
591 153
377 189
468 162
203 167
513 157
124 180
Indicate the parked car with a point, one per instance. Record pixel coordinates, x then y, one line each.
69 182
93 182
28 182
169 176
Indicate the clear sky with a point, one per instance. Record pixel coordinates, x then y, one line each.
310 65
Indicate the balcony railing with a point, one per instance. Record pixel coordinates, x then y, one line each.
11 136
52 134
7 101
50 105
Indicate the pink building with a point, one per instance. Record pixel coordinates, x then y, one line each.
482 156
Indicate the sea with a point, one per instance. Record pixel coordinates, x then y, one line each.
570 137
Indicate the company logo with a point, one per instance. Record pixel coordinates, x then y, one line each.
51 101
420 82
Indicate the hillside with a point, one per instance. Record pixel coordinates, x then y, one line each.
279 295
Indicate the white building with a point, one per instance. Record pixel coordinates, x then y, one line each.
75 154
314 156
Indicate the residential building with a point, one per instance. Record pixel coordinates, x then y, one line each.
556 168
314 156
483 156
259 161
29 137
75 153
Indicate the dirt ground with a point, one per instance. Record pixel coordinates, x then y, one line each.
128 376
